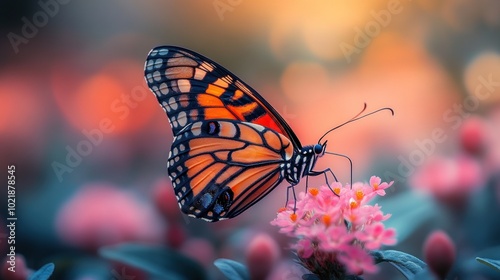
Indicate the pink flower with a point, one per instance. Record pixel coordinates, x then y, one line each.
377 185
336 229
101 214
357 260
336 237
375 235
304 247
286 220
450 180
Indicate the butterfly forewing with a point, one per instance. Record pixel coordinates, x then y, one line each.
191 87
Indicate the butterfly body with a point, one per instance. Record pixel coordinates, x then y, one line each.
230 148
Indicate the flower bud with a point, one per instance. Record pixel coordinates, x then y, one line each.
262 253
472 136
439 252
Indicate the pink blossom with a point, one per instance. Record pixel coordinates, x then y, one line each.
377 185
304 247
335 230
450 180
101 214
375 235
357 260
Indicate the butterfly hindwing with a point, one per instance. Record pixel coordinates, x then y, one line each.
219 168
191 87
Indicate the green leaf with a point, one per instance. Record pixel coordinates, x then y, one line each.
405 207
232 269
156 260
407 264
489 262
43 273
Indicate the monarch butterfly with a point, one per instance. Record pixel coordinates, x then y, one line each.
231 147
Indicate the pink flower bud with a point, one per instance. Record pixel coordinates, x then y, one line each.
439 252
262 253
176 235
166 201
200 250
472 136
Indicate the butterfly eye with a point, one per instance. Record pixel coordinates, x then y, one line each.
211 128
318 149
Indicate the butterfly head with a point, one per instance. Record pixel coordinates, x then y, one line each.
320 149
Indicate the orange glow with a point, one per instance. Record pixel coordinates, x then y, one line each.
113 96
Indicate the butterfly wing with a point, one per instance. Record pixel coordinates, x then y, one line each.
219 168
191 87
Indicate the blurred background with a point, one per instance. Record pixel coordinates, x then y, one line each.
89 141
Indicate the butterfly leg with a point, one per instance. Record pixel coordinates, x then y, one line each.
294 197
325 173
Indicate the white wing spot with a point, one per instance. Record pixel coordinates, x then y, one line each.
157 75
153 53
158 63
166 106
149 65
182 118
163 51
164 88
173 103
196 128
149 76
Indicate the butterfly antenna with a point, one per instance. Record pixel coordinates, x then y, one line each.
357 117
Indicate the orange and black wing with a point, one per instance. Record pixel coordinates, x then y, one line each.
191 87
219 168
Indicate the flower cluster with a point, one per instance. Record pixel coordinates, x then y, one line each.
336 228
